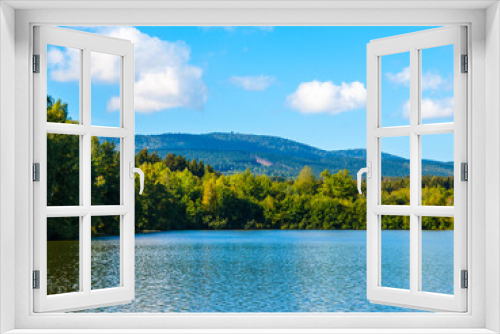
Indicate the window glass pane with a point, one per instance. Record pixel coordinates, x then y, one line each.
395 89
105 87
63 255
63 170
437 254
437 169
437 85
105 252
105 171
395 252
395 170
63 84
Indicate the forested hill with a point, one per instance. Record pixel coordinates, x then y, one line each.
234 152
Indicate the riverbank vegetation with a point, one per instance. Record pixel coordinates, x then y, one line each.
182 194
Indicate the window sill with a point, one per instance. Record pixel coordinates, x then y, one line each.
251 331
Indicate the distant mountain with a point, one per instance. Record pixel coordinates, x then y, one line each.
234 152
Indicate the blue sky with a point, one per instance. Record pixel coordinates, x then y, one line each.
303 83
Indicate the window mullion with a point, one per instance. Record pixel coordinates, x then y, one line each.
414 170
86 138
85 255
82 176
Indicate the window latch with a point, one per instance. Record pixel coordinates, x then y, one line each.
134 170
368 171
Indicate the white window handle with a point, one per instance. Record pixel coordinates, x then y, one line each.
134 170
368 171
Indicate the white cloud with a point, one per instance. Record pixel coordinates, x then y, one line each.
225 28
326 97
164 78
260 82
429 80
113 104
233 29
171 88
402 77
64 64
433 81
432 109
105 68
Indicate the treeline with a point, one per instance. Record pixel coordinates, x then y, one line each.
182 194
175 163
179 200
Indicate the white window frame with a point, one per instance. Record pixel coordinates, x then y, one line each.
483 260
413 43
85 297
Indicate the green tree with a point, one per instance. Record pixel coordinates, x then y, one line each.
306 181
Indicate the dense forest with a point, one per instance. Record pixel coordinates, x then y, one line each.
183 194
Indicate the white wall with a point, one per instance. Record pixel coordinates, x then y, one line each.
7 160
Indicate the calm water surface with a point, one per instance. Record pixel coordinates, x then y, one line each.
264 271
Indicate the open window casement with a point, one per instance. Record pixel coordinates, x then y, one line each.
65 146
419 128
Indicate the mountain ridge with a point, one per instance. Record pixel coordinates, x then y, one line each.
274 156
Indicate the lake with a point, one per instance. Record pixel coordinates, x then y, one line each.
257 271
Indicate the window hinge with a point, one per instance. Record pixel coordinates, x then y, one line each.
465 279
36 279
36 63
36 172
464 173
465 64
